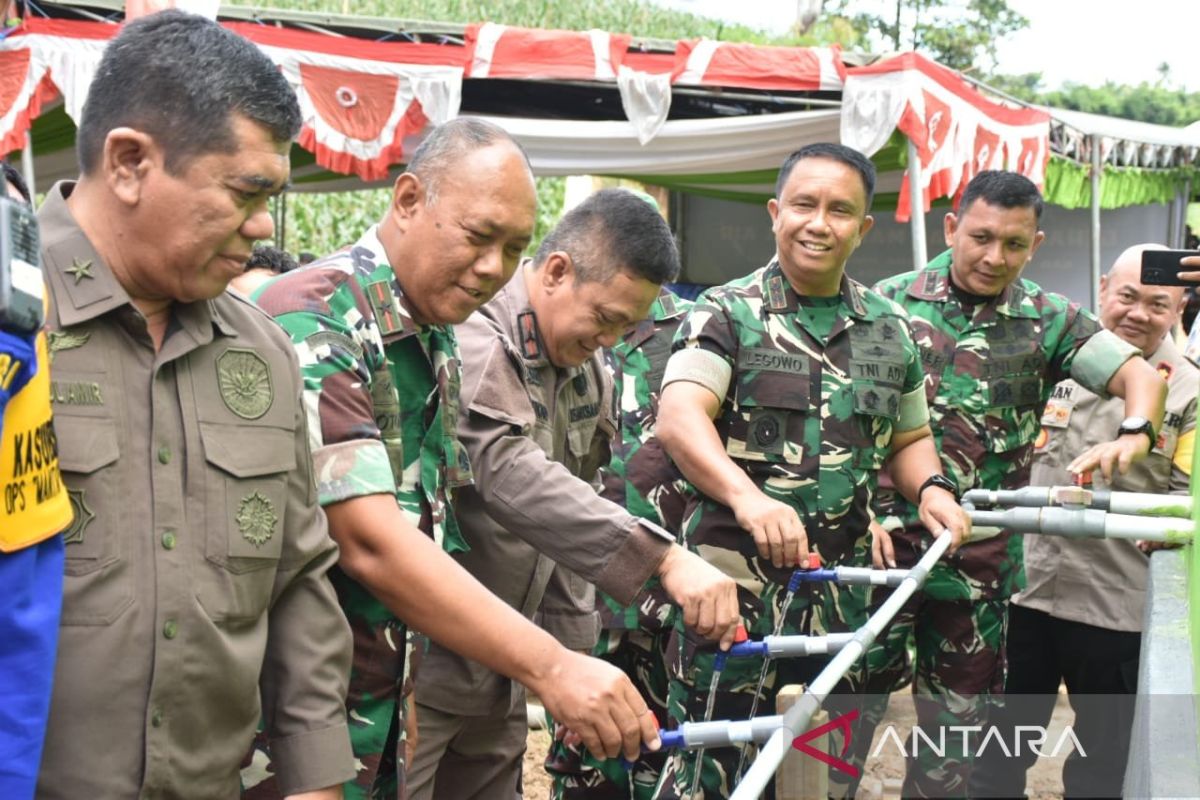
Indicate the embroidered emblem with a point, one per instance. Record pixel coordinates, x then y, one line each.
256 519
245 383
531 347
65 340
83 517
80 269
1165 369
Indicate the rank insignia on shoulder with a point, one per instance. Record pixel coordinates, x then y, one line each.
668 305
531 346
383 303
776 299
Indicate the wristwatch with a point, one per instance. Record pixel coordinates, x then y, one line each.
940 481
1137 425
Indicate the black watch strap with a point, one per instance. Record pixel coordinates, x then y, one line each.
940 481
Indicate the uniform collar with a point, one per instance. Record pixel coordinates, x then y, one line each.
933 285
518 317
84 285
780 297
377 276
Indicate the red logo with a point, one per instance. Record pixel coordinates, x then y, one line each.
801 743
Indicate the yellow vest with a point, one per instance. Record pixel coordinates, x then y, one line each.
34 504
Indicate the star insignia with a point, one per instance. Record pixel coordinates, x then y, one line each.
80 269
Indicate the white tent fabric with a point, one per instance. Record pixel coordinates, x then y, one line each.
682 147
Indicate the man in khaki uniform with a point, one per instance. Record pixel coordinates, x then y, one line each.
536 419
195 565
1079 618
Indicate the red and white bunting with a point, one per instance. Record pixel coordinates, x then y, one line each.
957 131
502 51
357 109
704 62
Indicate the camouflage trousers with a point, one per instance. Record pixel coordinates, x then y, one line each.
385 655
577 774
691 664
952 651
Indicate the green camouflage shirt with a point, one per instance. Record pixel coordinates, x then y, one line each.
381 391
809 418
990 369
640 476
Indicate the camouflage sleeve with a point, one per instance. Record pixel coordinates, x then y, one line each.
349 458
705 347
914 408
1078 347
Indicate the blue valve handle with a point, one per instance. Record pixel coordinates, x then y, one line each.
669 739
814 575
796 579
747 649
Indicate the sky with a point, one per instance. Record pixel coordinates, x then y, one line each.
1082 41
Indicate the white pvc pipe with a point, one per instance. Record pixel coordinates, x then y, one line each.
798 717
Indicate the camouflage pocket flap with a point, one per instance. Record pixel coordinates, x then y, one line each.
877 400
1014 390
773 390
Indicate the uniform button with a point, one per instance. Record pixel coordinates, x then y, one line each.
164 455
170 629
156 717
168 540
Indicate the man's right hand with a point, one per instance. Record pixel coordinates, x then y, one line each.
595 700
707 596
776 528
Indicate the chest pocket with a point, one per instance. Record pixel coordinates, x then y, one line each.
246 501
770 406
98 586
877 368
1012 389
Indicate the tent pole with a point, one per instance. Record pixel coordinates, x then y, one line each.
27 164
916 202
1096 175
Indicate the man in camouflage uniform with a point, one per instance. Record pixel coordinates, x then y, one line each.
642 479
1078 620
787 390
381 366
536 421
993 346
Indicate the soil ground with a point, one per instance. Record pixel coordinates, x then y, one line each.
884 772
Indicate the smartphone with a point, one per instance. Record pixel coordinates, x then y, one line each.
1161 267
20 268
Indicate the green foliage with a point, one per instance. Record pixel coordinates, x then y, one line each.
1144 102
636 17
956 35
321 223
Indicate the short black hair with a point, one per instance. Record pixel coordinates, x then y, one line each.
833 152
181 79
449 143
613 230
17 181
1004 189
271 258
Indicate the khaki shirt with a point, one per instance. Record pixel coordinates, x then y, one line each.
536 436
195 565
1102 582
